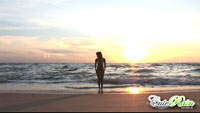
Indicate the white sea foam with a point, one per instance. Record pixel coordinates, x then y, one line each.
116 76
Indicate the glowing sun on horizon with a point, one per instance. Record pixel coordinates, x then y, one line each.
135 52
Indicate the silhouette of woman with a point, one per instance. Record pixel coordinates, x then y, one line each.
100 67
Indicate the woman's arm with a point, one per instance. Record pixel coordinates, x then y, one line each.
96 65
104 64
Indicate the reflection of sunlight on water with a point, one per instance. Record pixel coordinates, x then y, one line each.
134 90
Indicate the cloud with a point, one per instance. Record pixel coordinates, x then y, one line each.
30 3
59 51
63 49
33 49
14 28
23 15
51 2
8 52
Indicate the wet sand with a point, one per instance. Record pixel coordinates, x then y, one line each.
88 102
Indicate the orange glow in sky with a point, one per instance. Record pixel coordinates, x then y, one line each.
130 31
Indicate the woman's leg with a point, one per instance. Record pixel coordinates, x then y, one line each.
100 76
102 81
102 84
99 82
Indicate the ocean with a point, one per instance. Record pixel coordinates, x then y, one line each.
81 78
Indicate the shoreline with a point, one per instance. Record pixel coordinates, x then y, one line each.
142 90
88 102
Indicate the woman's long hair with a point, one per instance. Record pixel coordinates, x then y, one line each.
99 55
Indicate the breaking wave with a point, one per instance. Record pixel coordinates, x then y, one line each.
144 71
116 76
196 70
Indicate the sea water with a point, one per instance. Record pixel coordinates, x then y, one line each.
80 78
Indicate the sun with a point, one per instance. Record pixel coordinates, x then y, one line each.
135 52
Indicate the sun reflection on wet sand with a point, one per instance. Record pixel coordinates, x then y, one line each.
134 90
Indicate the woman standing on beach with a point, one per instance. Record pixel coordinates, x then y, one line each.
100 67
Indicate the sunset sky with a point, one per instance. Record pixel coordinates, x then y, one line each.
124 30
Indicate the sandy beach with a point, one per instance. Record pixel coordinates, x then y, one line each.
88 102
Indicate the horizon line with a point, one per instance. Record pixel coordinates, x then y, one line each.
92 63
